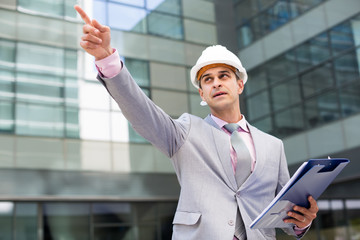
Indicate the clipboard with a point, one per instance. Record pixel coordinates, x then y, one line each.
311 178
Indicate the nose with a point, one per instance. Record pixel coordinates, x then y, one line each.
216 82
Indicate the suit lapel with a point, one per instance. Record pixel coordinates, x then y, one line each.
223 150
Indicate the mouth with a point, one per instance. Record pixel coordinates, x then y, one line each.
219 94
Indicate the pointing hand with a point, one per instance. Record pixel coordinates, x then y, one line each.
96 38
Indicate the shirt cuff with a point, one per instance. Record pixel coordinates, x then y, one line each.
300 231
110 66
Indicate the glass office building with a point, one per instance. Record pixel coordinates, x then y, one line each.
72 167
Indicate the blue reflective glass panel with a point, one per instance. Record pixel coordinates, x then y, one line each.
281 67
245 35
264 124
289 121
7 54
139 70
139 3
350 99
66 221
38 120
112 213
99 11
258 80
6 116
6 220
286 94
319 48
166 6
7 85
317 80
26 220
165 25
72 126
341 38
322 109
54 7
127 18
347 68
258 105
298 7
275 16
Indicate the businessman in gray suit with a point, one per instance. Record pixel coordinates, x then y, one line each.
223 189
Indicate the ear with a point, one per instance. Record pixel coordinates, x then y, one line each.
240 83
201 93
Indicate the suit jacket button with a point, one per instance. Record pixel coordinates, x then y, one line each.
231 222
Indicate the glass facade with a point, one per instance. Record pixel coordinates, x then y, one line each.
55 117
47 84
94 220
257 18
337 219
312 84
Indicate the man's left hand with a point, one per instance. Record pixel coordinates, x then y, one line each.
303 216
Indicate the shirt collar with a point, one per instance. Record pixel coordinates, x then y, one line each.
221 123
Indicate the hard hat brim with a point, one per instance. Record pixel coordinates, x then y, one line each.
194 70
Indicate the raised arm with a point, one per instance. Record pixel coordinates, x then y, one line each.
96 38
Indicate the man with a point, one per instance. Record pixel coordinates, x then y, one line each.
223 189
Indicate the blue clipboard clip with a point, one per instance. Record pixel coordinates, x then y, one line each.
311 178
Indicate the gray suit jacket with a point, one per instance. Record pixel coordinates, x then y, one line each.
200 154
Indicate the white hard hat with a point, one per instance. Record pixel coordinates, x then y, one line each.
217 54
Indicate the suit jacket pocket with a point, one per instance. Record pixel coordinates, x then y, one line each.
186 218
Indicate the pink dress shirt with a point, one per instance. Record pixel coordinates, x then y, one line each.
110 66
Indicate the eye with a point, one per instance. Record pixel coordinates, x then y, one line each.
207 79
223 76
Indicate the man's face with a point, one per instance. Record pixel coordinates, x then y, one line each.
220 89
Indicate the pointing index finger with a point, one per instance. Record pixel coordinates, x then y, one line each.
83 14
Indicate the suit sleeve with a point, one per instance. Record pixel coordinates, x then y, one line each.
146 118
284 175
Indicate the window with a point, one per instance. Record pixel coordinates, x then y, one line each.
39 120
26 221
347 68
264 124
7 54
66 220
275 16
317 80
285 94
6 212
53 8
165 6
258 80
6 116
298 7
113 221
258 105
245 10
350 99
139 3
139 70
7 85
165 25
289 121
281 67
341 38
319 48
127 18
41 59
322 109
